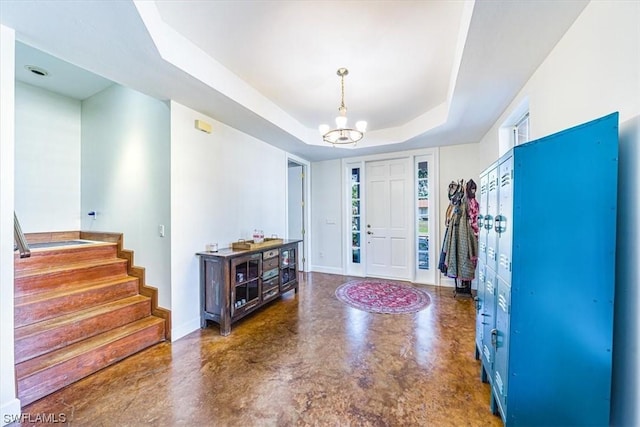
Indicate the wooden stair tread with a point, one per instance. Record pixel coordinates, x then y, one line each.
74 317
64 254
67 267
47 361
66 247
78 288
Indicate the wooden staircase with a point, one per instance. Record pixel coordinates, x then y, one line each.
78 309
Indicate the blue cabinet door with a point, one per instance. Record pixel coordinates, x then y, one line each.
503 223
483 231
500 340
488 320
480 307
489 219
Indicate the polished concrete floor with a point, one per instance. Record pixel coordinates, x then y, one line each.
304 360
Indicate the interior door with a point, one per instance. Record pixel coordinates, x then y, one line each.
388 218
295 205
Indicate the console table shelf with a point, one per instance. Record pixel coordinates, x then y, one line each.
234 283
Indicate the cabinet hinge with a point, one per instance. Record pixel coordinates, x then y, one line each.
302 231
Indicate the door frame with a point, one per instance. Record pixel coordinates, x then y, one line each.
349 162
306 209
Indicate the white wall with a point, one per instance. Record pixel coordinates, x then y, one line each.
595 70
9 404
326 217
47 160
125 177
223 186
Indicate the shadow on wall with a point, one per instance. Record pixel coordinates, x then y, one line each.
626 363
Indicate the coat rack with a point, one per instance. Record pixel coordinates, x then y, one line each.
459 253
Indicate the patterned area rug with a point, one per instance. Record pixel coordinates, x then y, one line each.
381 296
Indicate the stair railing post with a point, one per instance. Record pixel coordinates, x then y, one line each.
20 240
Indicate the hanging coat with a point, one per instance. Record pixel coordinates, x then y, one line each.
460 245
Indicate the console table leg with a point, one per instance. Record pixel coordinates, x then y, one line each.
225 323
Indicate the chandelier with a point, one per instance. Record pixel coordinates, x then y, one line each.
343 135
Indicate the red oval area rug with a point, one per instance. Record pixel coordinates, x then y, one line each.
381 296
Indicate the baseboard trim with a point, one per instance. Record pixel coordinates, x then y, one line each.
185 329
328 270
447 282
11 412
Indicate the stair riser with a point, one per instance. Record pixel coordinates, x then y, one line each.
53 339
42 259
68 278
47 309
47 381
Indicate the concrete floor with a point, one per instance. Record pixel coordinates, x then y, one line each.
306 359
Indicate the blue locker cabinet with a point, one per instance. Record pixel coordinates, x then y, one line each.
486 285
545 288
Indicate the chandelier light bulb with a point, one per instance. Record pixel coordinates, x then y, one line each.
361 126
341 122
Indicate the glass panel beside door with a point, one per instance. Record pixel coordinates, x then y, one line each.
355 215
424 221
354 249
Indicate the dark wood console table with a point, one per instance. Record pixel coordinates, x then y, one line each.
234 283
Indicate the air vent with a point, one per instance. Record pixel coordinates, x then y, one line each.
40 72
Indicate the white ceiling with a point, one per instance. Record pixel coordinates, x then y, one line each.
422 73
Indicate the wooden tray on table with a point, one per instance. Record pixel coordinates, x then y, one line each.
251 245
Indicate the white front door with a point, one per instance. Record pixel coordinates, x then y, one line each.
388 218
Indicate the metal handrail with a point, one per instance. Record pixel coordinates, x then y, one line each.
20 240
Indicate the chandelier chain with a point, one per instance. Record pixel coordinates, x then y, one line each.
343 108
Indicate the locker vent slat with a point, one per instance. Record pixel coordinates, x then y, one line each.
502 302
504 261
505 179
499 383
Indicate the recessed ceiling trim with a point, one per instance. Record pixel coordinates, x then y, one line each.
176 49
